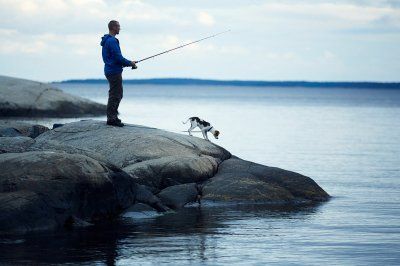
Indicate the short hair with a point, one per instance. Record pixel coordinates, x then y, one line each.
112 23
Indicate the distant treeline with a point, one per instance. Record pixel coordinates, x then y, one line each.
252 83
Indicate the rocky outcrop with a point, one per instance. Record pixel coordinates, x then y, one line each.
9 128
240 180
21 97
44 189
47 189
132 144
87 171
159 159
173 170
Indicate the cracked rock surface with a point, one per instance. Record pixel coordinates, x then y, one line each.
21 97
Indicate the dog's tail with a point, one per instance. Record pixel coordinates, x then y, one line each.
186 121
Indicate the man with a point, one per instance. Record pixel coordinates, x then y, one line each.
113 64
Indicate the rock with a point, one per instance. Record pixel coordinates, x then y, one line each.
10 128
50 145
155 157
57 125
22 144
42 190
177 196
140 211
15 144
143 195
36 130
23 211
238 180
86 171
160 159
173 170
132 143
244 187
140 207
74 221
9 132
21 97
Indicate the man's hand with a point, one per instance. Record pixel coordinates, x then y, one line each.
133 63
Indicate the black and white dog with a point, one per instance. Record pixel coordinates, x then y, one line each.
203 125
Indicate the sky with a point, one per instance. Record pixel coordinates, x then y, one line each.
312 40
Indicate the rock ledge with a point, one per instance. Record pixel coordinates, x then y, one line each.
86 171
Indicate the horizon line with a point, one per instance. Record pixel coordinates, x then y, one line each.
251 83
227 80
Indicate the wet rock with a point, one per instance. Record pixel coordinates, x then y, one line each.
238 180
140 207
143 195
42 190
23 211
177 196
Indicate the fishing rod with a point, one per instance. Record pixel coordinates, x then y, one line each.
167 51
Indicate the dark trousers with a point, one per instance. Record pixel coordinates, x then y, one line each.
115 94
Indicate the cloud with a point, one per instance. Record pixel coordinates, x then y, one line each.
328 55
339 15
205 18
16 43
278 36
49 44
310 16
285 56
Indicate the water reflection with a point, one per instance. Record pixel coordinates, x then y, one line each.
192 234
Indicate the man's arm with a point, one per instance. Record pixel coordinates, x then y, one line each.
116 51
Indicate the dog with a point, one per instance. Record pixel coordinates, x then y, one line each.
204 126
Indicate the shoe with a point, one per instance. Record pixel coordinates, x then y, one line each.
115 123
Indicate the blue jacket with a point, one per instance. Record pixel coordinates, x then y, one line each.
112 57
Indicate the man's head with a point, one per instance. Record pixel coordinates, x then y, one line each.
113 27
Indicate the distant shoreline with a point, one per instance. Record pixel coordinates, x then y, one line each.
243 83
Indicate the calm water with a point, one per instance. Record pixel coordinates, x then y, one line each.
347 140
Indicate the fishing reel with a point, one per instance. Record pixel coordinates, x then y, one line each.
134 65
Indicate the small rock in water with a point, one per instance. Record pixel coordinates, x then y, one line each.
57 125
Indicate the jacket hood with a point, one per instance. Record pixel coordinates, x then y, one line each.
104 39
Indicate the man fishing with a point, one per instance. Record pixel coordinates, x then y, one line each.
113 64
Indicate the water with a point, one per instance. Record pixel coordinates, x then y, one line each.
347 140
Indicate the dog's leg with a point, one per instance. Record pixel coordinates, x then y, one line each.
191 128
205 134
